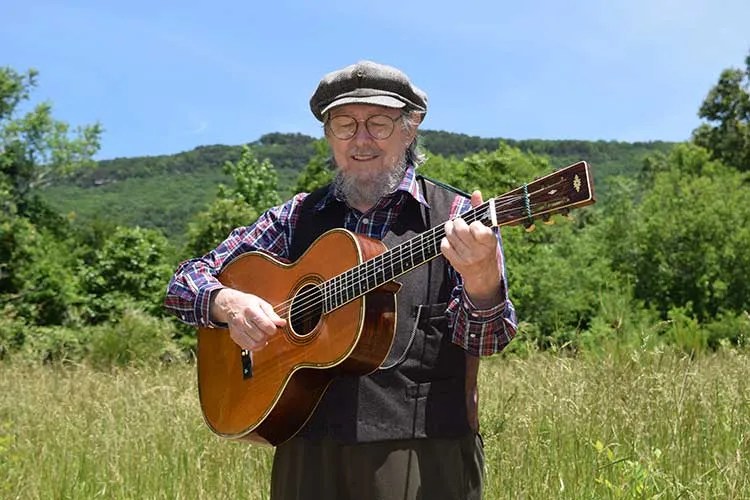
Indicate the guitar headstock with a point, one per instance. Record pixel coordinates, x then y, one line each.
558 192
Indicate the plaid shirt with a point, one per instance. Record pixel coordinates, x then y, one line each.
478 331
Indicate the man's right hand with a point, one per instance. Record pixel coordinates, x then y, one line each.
251 320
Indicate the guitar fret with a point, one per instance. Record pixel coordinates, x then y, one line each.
398 267
348 288
357 283
421 248
411 253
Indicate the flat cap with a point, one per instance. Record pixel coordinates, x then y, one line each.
367 82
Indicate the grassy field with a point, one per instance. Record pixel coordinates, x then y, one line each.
634 425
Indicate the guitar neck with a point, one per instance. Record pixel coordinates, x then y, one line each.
395 262
557 192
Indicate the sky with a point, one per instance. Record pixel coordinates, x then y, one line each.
166 76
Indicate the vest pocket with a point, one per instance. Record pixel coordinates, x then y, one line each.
424 337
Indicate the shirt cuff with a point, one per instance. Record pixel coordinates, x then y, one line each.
203 306
474 313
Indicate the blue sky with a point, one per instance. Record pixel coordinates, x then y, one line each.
167 76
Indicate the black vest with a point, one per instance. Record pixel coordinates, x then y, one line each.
419 390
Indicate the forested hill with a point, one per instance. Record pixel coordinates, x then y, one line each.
166 191
290 152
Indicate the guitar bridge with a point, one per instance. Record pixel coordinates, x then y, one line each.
247 364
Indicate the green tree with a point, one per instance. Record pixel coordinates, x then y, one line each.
494 173
35 148
255 190
556 274
317 172
256 182
130 270
213 225
727 109
687 247
40 275
37 258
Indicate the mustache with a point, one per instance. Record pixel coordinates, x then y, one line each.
356 151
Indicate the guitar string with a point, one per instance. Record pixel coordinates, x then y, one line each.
337 285
311 301
341 282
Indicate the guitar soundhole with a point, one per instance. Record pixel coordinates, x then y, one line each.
307 308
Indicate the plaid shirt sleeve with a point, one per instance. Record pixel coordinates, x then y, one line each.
480 332
195 280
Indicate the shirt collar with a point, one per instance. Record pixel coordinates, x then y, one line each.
407 186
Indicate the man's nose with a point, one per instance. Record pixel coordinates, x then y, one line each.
362 135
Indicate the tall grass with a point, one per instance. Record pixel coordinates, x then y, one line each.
641 425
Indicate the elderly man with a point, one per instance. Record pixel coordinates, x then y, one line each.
410 429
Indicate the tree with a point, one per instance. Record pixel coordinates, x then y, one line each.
317 172
687 247
727 109
37 262
256 182
494 172
255 190
130 269
35 149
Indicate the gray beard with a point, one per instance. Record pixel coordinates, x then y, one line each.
357 191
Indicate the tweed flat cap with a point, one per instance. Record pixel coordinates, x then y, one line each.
367 82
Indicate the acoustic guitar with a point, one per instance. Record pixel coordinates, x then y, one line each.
339 300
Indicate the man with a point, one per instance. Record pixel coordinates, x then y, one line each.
410 429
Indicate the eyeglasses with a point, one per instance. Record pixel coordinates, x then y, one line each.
345 127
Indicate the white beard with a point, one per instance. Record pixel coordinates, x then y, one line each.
368 189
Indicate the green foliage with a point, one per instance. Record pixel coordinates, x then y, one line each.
633 478
557 274
558 277
36 149
39 278
727 110
688 247
165 192
212 226
729 329
255 182
132 266
318 172
56 344
255 190
12 331
165 202
135 338
494 172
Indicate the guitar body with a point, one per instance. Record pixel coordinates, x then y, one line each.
268 395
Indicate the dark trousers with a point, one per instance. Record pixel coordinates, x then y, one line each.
411 469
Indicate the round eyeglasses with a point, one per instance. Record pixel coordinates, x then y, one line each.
345 127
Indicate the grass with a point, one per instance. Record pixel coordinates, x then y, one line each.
639 425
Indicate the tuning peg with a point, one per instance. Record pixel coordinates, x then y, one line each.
547 219
530 227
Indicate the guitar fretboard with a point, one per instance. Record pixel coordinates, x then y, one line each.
393 263
554 193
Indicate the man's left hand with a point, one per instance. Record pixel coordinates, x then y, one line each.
472 250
